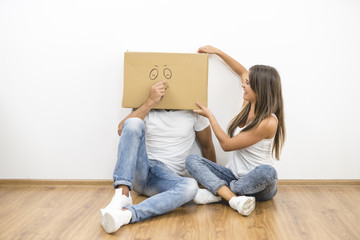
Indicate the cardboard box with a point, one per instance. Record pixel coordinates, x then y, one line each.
186 75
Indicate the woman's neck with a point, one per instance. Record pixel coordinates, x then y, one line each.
252 111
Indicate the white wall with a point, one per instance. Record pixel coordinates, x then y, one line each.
61 72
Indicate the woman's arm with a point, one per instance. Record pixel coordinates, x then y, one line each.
265 130
235 65
157 91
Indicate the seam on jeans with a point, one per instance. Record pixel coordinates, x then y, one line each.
157 175
266 184
223 182
219 172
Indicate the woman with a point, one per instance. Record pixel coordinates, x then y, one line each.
256 133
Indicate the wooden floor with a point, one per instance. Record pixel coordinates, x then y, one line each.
72 212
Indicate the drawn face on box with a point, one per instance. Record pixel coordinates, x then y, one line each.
185 75
161 73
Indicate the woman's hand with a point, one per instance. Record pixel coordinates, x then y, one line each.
208 49
203 111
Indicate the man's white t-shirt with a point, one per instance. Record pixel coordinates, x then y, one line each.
170 136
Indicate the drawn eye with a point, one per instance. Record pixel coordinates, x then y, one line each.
153 74
167 73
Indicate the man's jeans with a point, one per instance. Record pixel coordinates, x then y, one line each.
166 190
260 182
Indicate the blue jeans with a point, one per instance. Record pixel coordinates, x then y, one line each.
166 190
260 182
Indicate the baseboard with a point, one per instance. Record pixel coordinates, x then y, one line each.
319 182
81 182
109 182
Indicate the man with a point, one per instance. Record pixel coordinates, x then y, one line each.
151 165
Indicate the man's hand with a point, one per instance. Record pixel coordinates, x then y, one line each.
157 91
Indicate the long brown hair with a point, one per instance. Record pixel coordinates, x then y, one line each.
265 82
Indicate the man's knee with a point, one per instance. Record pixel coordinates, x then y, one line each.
190 188
134 125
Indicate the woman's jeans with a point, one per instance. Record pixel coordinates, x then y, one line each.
260 182
166 190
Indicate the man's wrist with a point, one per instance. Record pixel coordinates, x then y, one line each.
150 103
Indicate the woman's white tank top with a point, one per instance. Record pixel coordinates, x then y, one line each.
244 160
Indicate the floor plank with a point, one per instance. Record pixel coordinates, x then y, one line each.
72 212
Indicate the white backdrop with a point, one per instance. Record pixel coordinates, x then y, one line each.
61 73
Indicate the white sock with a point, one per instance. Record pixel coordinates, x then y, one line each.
114 219
243 204
204 196
118 202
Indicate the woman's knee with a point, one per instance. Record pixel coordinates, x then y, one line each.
269 176
191 161
268 172
268 193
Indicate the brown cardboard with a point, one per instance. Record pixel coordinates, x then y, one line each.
186 75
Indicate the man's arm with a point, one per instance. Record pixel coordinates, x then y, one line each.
157 91
206 144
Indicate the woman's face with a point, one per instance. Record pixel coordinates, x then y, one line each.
249 94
